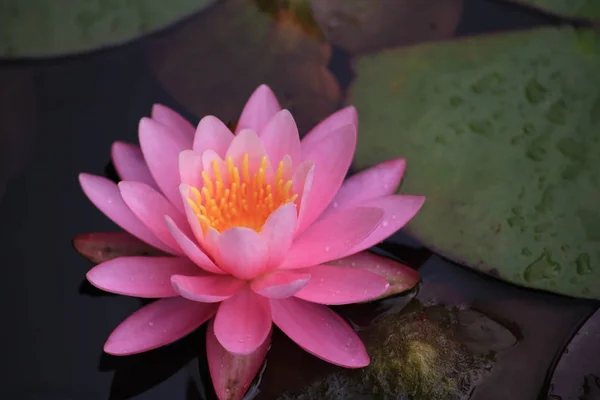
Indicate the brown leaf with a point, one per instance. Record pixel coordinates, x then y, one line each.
362 26
103 246
213 62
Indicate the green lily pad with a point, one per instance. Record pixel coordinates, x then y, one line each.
570 8
501 135
49 27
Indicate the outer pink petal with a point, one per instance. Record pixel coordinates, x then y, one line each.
341 285
400 277
190 168
130 164
345 116
279 285
319 331
398 210
172 119
212 134
243 322
206 289
105 195
332 158
232 375
161 146
278 232
326 239
261 106
242 252
148 277
378 181
280 138
151 207
191 249
158 324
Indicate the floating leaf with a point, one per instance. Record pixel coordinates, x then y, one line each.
103 246
501 135
400 276
577 374
424 353
50 27
215 60
361 26
569 8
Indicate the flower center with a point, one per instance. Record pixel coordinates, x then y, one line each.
242 199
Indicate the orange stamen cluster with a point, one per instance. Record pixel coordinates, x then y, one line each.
243 200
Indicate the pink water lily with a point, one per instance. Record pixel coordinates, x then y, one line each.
253 220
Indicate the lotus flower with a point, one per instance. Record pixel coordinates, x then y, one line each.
256 222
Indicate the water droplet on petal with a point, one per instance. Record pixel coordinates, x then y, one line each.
150 323
384 223
353 264
335 204
394 216
327 248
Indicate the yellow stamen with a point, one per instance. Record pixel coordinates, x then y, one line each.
243 199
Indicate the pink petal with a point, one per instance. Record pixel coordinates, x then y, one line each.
319 331
278 232
105 195
232 375
192 220
326 239
302 184
151 207
261 106
206 289
400 277
148 277
398 210
190 248
243 322
341 285
247 142
378 181
281 284
158 324
161 146
212 134
345 116
190 168
332 158
172 119
130 164
280 138
242 252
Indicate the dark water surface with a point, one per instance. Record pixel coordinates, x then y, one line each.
59 117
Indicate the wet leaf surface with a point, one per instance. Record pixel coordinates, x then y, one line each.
48 27
103 246
254 47
577 373
362 26
569 8
500 134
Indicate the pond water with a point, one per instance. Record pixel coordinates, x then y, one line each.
460 334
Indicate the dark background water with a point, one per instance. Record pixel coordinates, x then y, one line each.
59 118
